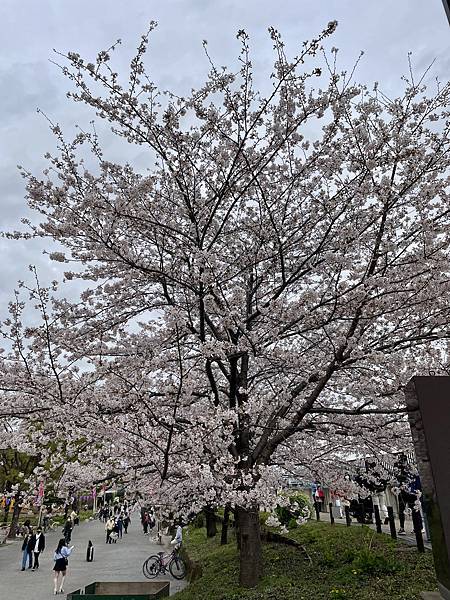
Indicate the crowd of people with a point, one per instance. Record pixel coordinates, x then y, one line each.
148 520
33 544
117 520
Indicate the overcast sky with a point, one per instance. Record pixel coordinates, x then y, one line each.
385 29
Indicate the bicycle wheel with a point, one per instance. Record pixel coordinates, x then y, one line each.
151 567
177 567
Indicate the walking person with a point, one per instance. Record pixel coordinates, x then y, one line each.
26 527
74 517
109 528
26 550
37 545
67 530
151 519
45 519
126 522
145 520
119 525
61 558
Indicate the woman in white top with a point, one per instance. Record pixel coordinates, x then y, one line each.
60 557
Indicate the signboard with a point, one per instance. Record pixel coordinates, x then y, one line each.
428 402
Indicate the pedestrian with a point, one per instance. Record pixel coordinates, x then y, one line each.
61 559
113 536
73 516
126 522
67 530
119 525
109 527
26 550
178 538
151 519
37 545
26 527
45 520
145 520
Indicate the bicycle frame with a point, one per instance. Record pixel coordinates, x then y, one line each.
165 559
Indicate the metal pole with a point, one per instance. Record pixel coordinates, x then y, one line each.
362 511
40 513
316 506
376 510
347 516
417 521
392 522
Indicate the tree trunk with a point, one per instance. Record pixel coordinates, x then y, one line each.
15 518
236 528
226 520
211 524
251 547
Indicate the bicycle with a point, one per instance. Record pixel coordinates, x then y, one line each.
162 562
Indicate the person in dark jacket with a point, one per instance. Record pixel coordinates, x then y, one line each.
67 530
126 522
119 525
26 551
36 545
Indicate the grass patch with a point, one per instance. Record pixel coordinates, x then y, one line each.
347 564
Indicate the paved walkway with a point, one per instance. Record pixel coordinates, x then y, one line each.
112 562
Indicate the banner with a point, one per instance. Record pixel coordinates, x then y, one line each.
40 494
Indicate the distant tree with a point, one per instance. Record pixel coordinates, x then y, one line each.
16 481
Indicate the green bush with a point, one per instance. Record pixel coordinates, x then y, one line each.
199 521
298 503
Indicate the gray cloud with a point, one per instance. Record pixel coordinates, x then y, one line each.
386 30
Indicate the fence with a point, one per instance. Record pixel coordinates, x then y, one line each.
390 521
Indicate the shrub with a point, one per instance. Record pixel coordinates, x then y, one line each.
199 521
299 507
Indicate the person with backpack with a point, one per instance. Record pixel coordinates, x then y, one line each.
61 558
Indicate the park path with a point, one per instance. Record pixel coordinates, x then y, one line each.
112 562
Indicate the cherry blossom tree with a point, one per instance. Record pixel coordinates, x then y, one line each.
258 299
